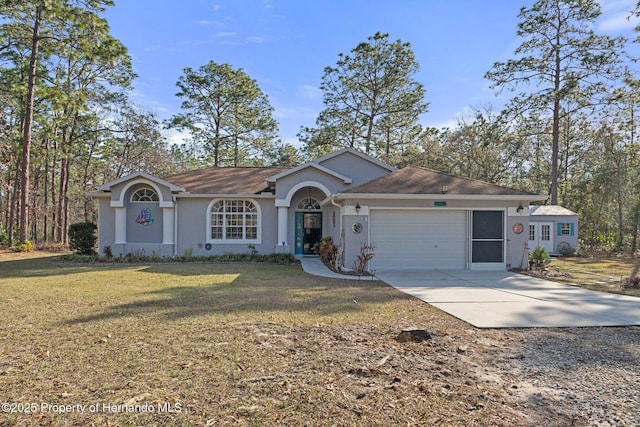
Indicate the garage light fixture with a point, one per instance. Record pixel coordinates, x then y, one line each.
444 189
520 208
358 208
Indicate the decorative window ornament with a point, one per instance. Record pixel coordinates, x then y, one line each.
357 228
145 217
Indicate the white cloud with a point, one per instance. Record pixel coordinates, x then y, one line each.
202 22
617 15
292 141
177 137
309 92
225 34
618 22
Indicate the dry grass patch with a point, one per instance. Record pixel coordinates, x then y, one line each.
598 274
264 345
228 345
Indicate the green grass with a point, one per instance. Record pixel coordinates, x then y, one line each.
240 344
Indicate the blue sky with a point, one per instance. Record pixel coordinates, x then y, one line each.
286 44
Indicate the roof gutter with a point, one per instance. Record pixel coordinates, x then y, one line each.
395 196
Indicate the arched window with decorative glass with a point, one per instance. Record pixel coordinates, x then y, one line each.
234 221
308 204
145 194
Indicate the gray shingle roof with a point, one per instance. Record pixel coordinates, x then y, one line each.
418 180
225 180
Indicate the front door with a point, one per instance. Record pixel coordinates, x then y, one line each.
540 235
308 231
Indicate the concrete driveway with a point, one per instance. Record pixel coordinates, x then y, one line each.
509 300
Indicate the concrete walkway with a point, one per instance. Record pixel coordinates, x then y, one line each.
508 300
314 266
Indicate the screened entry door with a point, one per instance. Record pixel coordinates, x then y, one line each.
540 235
308 231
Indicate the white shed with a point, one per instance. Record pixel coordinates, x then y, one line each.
553 227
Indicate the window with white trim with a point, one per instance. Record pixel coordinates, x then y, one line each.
565 229
234 221
145 194
308 204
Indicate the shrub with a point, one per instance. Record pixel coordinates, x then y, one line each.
4 236
23 247
632 282
82 238
362 262
327 251
565 249
108 252
539 258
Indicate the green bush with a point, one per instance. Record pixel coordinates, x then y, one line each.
539 258
565 249
4 236
108 252
82 238
23 247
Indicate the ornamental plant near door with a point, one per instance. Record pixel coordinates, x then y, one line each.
539 259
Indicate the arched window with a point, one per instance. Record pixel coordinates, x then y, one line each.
145 194
234 221
308 204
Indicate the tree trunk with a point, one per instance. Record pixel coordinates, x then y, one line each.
13 205
26 128
555 132
60 208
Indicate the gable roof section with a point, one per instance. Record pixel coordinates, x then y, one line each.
317 164
225 180
357 154
307 165
414 180
109 185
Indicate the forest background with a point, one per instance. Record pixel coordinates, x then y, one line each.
68 125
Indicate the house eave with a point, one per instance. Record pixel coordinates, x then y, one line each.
142 175
438 196
98 194
224 196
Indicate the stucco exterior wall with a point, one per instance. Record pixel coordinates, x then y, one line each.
517 243
193 231
106 225
353 241
356 168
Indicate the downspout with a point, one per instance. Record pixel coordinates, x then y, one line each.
175 225
340 257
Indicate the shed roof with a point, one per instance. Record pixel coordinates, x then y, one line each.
550 210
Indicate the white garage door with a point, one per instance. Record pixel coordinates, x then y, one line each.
418 239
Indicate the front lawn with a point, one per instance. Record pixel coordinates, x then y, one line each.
226 344
599 274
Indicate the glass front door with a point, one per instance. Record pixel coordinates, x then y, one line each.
308 231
